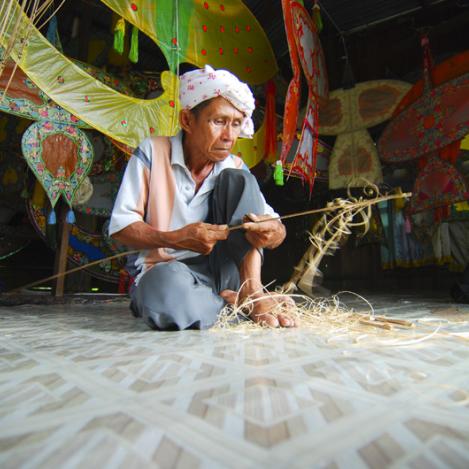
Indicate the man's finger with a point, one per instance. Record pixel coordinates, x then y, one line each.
217 227
219 233
259 227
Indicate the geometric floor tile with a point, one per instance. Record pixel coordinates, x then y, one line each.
91 386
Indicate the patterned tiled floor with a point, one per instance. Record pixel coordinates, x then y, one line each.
89 386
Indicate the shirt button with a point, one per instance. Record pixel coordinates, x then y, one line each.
188 188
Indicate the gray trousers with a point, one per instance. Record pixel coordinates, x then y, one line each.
179 295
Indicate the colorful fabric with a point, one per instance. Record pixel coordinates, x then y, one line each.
354 161
439 184
129 120
347 114
60 156
292 98
401 247
200 85
157 188
224 34
367 104
310 51
25 99
438 118
447 70
124 118
311 58
305 160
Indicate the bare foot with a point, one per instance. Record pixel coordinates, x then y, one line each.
265 309
270 311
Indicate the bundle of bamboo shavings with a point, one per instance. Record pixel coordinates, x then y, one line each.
320 314
333 321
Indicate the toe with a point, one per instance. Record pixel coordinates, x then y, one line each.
286 321
265 320
230 296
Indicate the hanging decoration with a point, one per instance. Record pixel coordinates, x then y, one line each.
437 119
311 58
440 73
60 156
24 99
317 16
348 114
124 118
119 36
292 98
133 52
15 33
432 122
242 47
438 185
322 160
278 173
223 34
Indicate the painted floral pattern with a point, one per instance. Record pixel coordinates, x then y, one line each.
57 185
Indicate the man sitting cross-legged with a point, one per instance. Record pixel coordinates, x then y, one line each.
176 201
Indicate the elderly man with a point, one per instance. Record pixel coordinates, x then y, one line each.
177 199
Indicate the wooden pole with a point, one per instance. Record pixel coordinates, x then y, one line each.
61 254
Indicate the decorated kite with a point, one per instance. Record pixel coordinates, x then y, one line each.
308 52
438 185
438 118
347 114
56 149
60 157
292 99
429 130
224 34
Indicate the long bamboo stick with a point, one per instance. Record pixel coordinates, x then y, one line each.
332 207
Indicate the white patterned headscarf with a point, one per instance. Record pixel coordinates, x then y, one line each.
199 85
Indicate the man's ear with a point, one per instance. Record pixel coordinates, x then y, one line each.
186 119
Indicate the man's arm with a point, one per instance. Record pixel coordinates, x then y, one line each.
198 237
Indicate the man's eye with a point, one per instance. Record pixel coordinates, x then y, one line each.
237 124
219 122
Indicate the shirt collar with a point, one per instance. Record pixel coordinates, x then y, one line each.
177 152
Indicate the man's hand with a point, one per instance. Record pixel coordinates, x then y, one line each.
266 234
198 237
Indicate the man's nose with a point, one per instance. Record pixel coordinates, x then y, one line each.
228 132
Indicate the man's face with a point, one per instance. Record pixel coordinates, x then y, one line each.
214 131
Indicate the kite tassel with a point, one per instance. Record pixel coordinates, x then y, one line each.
133 53
119 34
278 173
70 218
52 218
317 16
